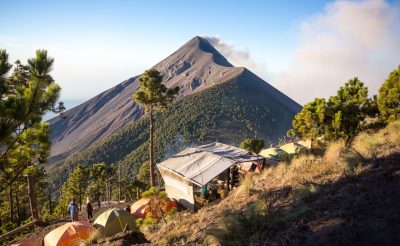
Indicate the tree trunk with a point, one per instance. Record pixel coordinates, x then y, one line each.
10 197
228 177
98 195
50 202
80 196
17 205
32 197
151 148
119 183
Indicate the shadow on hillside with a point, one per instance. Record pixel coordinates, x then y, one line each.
358 209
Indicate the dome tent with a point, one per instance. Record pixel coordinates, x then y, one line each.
114 221
70 234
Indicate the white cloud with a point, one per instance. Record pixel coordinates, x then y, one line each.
350 38
237 57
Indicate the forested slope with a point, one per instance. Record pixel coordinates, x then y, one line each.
227 113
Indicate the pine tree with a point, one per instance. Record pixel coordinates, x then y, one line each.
25 97
154 96
338 118
389 97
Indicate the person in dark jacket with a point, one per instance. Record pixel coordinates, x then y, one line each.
73 210
89 208
128 208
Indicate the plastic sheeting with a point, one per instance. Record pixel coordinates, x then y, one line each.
203 163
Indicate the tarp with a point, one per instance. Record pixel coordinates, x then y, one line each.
114 221
203 163
69 234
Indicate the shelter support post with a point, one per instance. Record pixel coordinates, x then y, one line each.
228 177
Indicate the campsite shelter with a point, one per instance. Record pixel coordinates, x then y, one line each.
197 166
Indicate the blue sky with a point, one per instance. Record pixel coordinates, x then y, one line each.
97 44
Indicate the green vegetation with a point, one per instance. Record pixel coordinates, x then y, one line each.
157 209
155 97
341 117
226 113
389 97
97 182
252 145
25 96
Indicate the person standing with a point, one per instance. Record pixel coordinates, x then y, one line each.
73 210
128 208
89 208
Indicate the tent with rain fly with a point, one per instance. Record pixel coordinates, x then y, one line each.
198 166
70 234
114 221
140 208
293 148
275 154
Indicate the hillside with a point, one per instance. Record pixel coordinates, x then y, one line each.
194 67
349 196
228 113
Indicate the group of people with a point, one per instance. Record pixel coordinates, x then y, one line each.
73 209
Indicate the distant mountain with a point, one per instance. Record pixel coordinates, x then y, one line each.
217 102
197 65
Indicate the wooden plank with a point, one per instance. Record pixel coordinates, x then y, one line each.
12 232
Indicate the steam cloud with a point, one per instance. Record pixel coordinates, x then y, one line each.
350 38
236 56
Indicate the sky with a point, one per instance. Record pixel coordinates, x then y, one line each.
306 48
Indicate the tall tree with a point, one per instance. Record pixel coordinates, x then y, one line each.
25 97
78 183
389 96
154 96
98 173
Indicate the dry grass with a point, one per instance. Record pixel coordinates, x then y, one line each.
393 131
367 144
249 211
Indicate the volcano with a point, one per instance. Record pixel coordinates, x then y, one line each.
198 69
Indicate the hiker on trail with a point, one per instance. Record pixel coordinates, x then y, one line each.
89 208
73 210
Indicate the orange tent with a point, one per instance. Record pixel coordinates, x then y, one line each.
138 209
69 234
